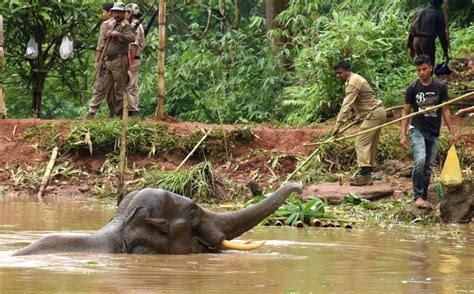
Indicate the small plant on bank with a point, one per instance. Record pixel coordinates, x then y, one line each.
198 182
294 210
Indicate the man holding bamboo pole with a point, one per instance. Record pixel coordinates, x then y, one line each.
424 129
362 100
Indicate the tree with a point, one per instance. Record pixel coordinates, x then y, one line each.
48 22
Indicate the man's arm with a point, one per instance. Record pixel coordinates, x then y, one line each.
133 52
404 126
463 111
446 114
351 96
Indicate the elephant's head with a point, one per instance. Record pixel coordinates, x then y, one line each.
158 221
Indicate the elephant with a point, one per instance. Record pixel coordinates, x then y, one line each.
156 221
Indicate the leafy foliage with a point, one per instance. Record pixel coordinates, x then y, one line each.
225 69
295 210
197 183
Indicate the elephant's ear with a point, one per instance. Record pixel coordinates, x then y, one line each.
160 223
139 212
141 216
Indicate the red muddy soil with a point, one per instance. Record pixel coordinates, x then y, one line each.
252 163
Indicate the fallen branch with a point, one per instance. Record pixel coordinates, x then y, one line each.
192 151
44 181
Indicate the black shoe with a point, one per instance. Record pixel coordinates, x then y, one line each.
89 115
363 180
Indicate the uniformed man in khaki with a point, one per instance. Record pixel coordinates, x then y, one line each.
136 49
99 93
116 58
367 107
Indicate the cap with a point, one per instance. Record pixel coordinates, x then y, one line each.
118 6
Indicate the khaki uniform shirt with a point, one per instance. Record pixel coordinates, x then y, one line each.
120 44
139 38
105 27
359 97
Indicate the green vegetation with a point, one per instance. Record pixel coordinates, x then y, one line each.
144 137
237 68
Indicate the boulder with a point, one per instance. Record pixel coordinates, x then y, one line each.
458 205
335 193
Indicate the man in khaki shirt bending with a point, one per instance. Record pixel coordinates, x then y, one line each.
361 99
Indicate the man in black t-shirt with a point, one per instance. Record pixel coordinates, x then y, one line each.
424 93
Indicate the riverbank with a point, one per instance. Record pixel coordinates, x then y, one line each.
234 163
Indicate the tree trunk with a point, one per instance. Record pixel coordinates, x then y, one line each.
160 108
272 9
38 86
237 14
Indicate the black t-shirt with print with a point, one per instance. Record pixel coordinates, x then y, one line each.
421 97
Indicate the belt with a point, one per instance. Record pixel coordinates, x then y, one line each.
424 36
378 106
115 56
137 57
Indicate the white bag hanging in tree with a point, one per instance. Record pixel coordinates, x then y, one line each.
66 48
32 49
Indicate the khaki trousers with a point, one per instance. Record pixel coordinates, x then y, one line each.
132 89
366 144
115 84
99 93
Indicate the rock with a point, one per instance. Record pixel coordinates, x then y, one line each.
458 205
84 188
335 193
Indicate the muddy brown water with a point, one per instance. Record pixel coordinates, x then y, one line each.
365 259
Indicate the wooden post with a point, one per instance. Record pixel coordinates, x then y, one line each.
2 111
123 149
160 107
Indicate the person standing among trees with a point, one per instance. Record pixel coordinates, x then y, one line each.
116 58
136 48
424 129
426 26
361 98
99 93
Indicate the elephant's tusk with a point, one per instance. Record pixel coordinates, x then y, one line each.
228 245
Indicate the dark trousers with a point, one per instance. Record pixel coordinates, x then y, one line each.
425 46
425 149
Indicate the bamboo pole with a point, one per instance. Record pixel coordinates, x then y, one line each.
192 151
2 110
160 107
333 140
123 149
47 173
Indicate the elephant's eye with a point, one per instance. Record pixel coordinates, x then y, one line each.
193 216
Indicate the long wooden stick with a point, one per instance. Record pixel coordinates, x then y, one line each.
123 148
160 107
333 140
47 173
194 149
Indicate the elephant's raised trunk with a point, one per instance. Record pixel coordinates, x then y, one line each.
234 224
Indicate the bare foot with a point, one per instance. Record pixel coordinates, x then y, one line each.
420 203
